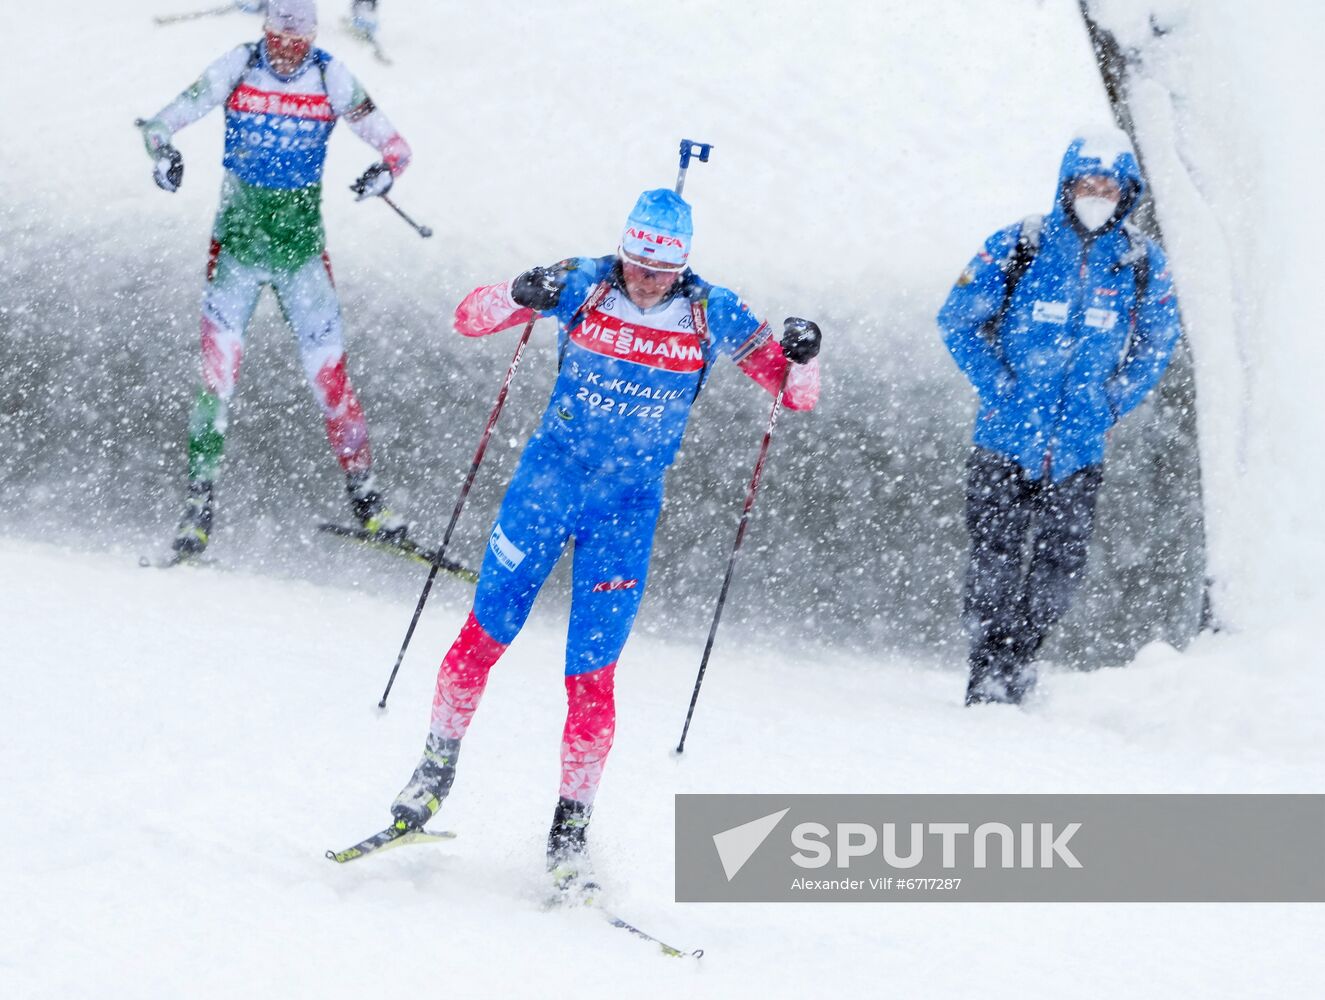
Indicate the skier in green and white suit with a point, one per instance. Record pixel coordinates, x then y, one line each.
282 98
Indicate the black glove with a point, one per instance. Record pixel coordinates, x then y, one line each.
539 288
373 183
800 340
169 168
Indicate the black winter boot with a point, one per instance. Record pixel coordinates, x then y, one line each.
1023 673
993 670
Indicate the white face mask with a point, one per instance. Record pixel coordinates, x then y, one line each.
1092 211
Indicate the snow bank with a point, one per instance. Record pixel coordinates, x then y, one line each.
1218 99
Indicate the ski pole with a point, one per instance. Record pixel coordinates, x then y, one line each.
731 563
459 504
193 15
691 148
423 231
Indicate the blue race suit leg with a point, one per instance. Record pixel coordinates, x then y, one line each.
613 543
536 519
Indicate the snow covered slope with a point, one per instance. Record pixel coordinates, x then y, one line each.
180 747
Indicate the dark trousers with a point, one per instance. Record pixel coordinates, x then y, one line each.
1011 602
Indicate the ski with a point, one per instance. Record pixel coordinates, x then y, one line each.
367 39
583 895
193 15
397 834
670 950
399 546
174 559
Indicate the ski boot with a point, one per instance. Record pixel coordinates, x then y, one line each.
370 509
195 526
568 854
419 800
363 19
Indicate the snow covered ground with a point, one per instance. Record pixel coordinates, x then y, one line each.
178 749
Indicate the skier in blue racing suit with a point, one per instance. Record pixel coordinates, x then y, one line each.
638 333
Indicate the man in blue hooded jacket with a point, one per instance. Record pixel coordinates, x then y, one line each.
1063 323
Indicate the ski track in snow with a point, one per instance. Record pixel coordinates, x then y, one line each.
181 746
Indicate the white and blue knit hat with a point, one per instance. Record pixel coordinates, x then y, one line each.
659 230
292 17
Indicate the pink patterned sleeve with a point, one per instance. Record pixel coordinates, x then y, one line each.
487 309
767 363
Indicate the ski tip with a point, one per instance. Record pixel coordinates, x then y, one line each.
396 835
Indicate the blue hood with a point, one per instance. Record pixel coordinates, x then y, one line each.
1106 153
